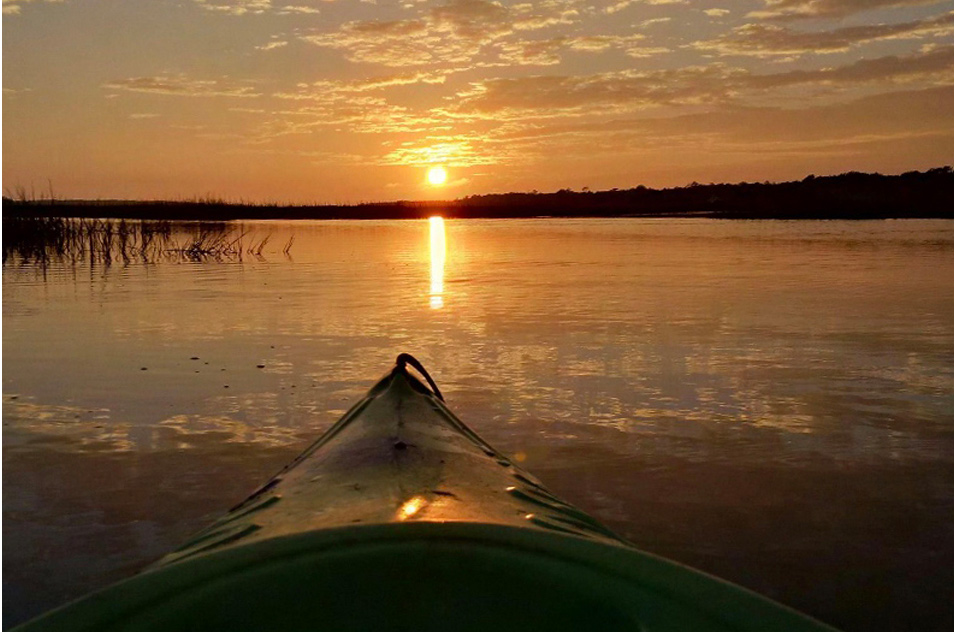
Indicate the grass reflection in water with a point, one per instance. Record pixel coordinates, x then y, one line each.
44 240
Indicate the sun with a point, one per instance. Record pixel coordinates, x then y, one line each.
437 176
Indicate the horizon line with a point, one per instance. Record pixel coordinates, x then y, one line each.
19 193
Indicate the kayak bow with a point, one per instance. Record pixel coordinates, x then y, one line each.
400 517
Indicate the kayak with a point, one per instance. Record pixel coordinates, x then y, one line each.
400 517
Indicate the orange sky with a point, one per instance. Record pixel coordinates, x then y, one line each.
353 100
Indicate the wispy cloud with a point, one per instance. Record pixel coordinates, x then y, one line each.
549 52
633 91
934 66
15 7
293 9
551 96
237 7
532 52
896 114
472 19
393 43
623 4
797 9
329 91
641 52
905 121
458 32
273 45
764 40
494 82
501 121
453 151
180 85
356 112
254 7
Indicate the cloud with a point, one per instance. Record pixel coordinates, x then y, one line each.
272 45
765 40
593 43
910 121
473 19
358 116
253 7
396 43
532 52
618 6
552 96
237 7
328 91
652 21
528 17
716 13
632 91
641 52
932 66
623 4
458 32
379 83
350 106
909 113
179 85
549 52
15 7
453 151
291 9
797 9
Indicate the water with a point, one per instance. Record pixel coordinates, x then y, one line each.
768 401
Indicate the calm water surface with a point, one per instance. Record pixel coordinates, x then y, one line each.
768 401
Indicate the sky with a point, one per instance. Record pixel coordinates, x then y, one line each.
346 101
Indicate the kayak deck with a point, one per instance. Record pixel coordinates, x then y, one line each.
399 455
400 517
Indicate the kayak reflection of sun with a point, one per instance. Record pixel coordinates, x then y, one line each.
411 507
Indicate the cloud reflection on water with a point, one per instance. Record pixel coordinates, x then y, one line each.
614 355
617 323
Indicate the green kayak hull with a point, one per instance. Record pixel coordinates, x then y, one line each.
401 518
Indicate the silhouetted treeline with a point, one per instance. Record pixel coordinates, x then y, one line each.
850 195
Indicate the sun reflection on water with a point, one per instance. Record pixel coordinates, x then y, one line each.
437 232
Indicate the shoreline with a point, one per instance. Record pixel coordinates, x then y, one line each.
849 196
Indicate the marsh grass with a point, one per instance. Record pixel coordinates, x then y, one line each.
44 240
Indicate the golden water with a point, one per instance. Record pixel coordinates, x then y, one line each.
769 401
